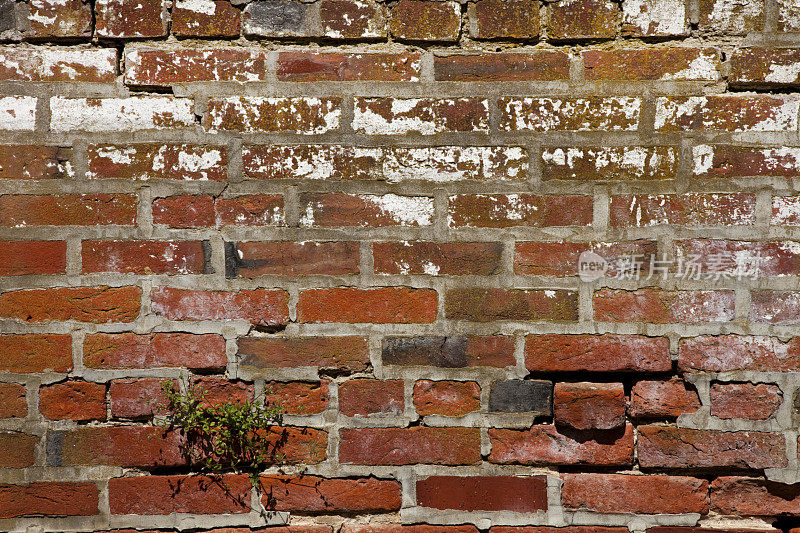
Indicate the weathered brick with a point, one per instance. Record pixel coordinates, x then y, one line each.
17 450
509 210
143 257
662 399
154 350
158 495
723 161
694 209
654 18
378 305
278 18
352 19
83 304
521 396
552 529
189 211
775 307
609 163
670 447
446 398
58 64
335 66
561 258
130 19
402 446
491 493
486 305
253 259
386 527
724 353
449 352
597 353
137 397
17 113
788 16
314 494
258 306
340 353
582 19
297 397
49 498
205 18
13 400
364 210
425 116
505 19
545 445
126 446
585 406
216 391
544 65
765 67
35 353
620 493
618 113
745 400
59 19
664 64
740 496
295 445
443 259
20 258
371 396
149 161
727 112
455 163
31 162
312 162
153 67
785 211
252 114
20 210
658 306
73 400
740 259
120 114
423 20
732 17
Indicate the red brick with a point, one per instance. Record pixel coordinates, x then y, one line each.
787 16
456 351
443 259
425 116
143 257
725 353
149 161
518 494
378 527
211 18
727 113
544 65
30 162
258 306
673 64
83 304
505 19
620 493
447 398
561 258
352 19
58 64
731 17
774 258
663 307
724 161
775 307
371 396
59 19
764 67
13 400
154 350
253 259
36 353
297 397
137 397
216 391
423 20
163 495
67 210
510 210
745 400
129 19
312 162
73 400
341 353
550 529
49 498
657 399
189 211
609 163
296 445
682 529
597 353
785 211
580 114
683 210
125 446
669 447
740 496
486 305
545 445
364 210
654 18
406 446
20 258
379 305
314 494
166 67
583 19
336 66
252 114
17 450
589 405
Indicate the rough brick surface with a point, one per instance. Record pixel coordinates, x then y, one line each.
585 406
609 493
73 400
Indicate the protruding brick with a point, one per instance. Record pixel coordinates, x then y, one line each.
585 406
314 494
253 114
154 350
426 116
297 397
487 305
491 493
130 19
84 304
725 353
505 19
618 113
278 18
405 446
446 398
120 114
137 397
544 65
126 446
335 66
143 257
149 161
67 210
583 19
49 498
371 397
442 259
58 64
340 353
205 18
157 495
667 399
253 259
775 307
164 67
31 162
13 400
597 353
21 258
561 258
59 19
258 306
17 450
380 305
521 396
729 112
745 400
510 210
610 163
73 400
449 352
364 210
664 64
723 161
620 493
654 18
663 307
732 17
190 211
352 19
28 354
423 20
740 496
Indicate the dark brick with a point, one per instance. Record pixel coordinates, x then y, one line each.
277 18
449 352
521 396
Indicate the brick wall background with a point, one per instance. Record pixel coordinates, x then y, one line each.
374 211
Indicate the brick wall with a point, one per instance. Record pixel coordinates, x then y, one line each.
374 211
